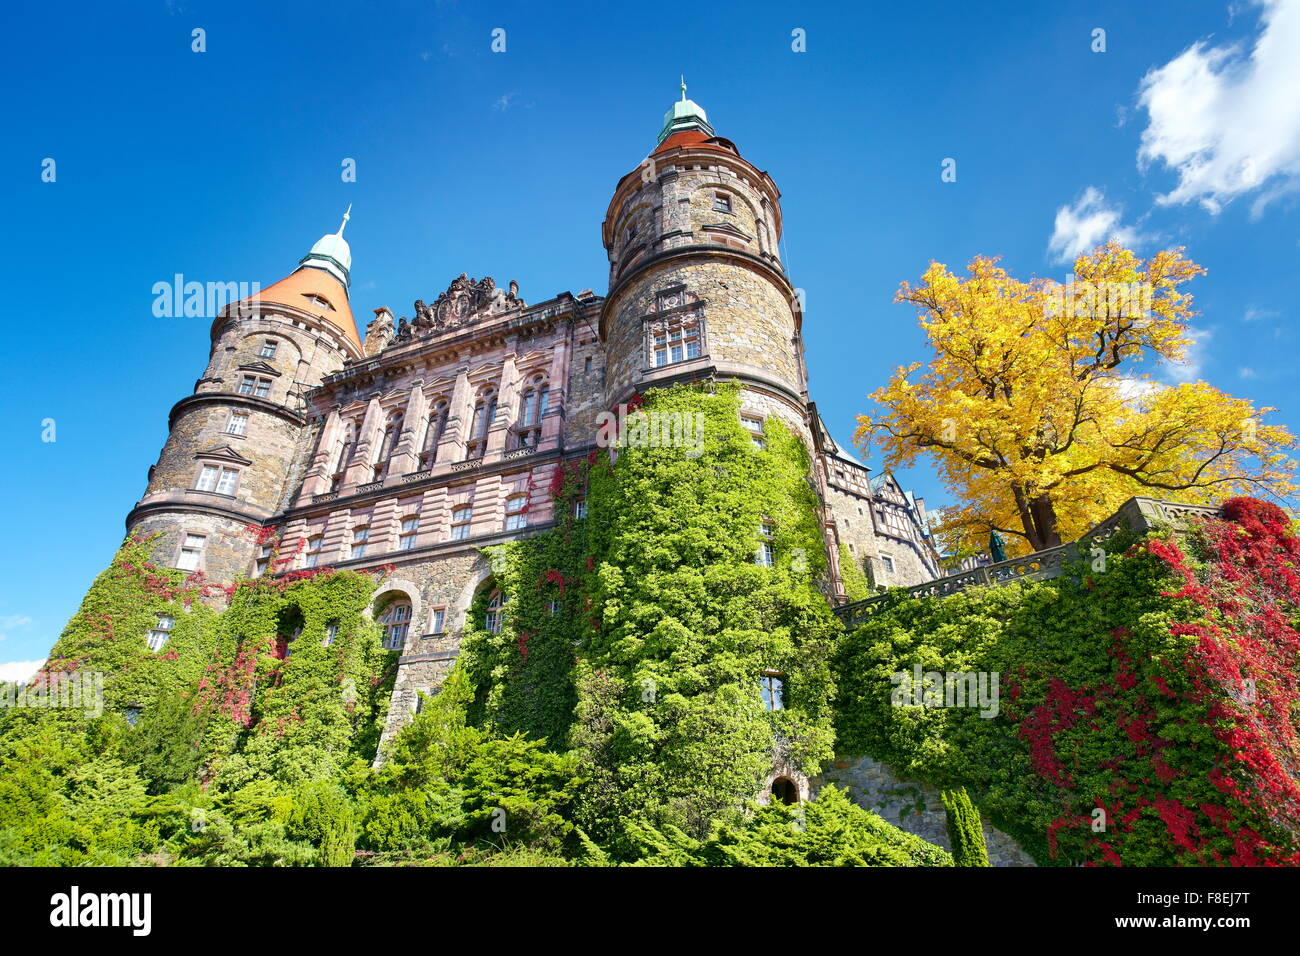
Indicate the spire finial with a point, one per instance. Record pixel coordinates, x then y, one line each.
346 216
683 87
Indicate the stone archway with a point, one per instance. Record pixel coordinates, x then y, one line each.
784 785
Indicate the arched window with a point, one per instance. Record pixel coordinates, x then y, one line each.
485 410
531 411
785 790
343 458
494 618
396 621
433 434
392 435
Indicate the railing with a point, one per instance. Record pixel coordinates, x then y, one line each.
1138 514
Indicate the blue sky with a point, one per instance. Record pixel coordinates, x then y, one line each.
225 166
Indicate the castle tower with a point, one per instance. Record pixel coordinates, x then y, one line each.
228 465
696 285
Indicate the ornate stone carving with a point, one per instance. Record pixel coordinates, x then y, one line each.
465 302
379 333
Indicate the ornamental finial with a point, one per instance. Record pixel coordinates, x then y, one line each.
346 216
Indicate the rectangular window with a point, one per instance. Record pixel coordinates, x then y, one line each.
208 478
516 516
765 556
586 366
161 631
677 343
580 508
410 529
460 520
268 349
263 388
439 621
228 482
721 202
773 690
247 385
264 558
238 425
331 632
359 538
191 556
313 553
887 563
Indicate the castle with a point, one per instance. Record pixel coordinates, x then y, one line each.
304 446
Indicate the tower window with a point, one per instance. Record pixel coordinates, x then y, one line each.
257 387
410 529
887 563
268 348
678 341
191 556
396 621
223 481
438 621
161 631
586 366
312 554
722 202
238 424
516 516
460 522
772 687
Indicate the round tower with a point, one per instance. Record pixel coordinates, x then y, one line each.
234 445
696 285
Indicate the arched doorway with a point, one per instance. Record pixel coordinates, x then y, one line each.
785 790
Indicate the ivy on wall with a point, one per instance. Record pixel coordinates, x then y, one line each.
1147 709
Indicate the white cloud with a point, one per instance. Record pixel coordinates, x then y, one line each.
1190 370
503 102
1225 119
1254 312
1246 372
19 670
1086 223
9 622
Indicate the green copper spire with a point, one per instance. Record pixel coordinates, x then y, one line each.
684 114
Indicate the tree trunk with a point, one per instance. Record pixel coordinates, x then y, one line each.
1038 516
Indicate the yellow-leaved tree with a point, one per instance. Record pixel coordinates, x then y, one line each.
1037 413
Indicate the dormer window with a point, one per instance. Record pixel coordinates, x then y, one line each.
722 202
319 301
